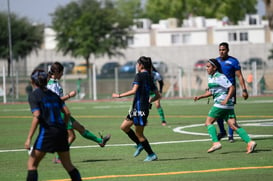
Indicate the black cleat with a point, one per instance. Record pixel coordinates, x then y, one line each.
104 140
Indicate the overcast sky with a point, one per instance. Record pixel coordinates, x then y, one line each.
39 10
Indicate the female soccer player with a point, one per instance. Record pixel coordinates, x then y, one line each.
55 73
46 108
141 88
158 78
222 90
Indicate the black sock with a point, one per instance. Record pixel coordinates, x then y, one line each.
147 147
133 136
75 175
32 175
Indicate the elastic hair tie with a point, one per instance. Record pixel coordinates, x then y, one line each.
212 62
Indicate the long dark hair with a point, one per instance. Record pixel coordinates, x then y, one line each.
146 62
39 78
216 64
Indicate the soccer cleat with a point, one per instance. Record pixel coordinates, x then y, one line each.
215 147
251 147
164 123
221 135
104 140
138 150
151 157
231 139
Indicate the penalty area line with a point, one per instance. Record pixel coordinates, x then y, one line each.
171 173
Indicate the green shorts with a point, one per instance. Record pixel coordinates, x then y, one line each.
70 122
220 113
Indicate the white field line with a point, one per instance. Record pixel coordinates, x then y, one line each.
268 122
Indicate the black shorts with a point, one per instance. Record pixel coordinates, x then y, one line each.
52 139
139 118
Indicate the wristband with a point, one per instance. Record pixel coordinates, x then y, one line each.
68 95
118 95
244 90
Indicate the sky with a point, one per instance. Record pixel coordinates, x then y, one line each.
38 11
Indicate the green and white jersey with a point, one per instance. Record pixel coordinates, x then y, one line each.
218 85
55 86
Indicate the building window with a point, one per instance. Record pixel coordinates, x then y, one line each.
176 39
232 36
186 38
243 36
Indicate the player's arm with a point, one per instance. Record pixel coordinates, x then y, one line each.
205 95
242 83
69 95
231 91
128 93
33 127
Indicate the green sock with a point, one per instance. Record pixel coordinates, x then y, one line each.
212 132
243 134
161 113
88 135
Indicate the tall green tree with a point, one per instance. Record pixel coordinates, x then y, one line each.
25 37
91 27
233 9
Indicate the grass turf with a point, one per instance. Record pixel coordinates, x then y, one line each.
181 156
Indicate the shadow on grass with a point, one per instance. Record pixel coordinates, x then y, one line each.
254 152
100 160
175 159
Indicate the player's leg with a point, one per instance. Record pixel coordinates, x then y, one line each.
222 132
67 164
212 116
126 127
160 112
34 159
145 144
88 134
230 134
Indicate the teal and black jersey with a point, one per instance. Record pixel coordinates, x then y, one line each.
49 104
146 85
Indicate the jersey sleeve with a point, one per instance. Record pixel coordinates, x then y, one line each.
33 102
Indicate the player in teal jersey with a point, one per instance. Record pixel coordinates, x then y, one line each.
222 90
158 78
55 73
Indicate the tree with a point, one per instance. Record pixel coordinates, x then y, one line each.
235 10
25 37
90 27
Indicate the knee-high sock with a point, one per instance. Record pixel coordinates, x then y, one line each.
75 175
131 134
147 147
88 135
221 126
161 113
243 134
212 132
230 131
32 175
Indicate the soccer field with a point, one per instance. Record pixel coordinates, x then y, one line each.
181 146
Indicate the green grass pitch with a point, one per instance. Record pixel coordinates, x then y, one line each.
182 155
